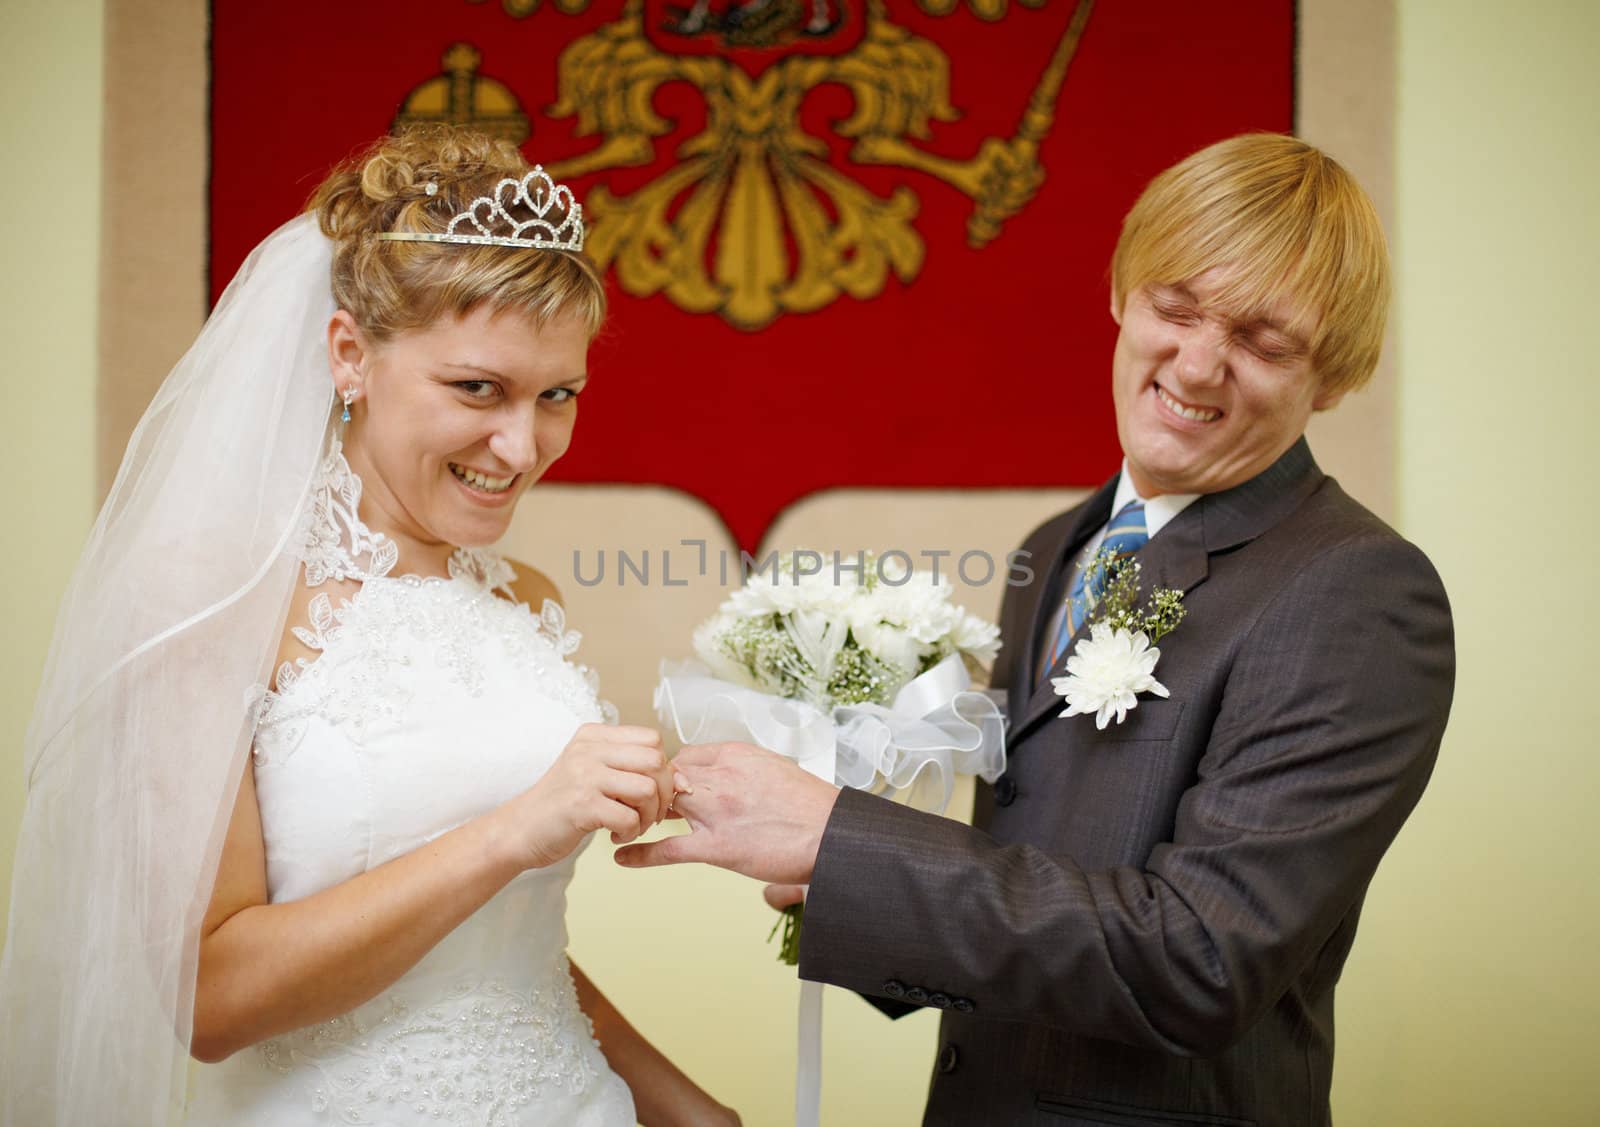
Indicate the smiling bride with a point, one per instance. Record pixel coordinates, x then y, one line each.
312 765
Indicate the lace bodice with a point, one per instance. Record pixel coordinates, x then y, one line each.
429 701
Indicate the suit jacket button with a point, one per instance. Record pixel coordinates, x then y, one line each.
1005 790
895 988
949 1059
962 1005
939 1000
916 994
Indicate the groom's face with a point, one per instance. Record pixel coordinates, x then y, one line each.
1208 397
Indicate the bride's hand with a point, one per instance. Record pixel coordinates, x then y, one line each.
611 777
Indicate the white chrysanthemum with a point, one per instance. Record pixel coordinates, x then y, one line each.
825 592
1106 672
920 606
755 598
975 636
893 567
763 595
891 645
783 591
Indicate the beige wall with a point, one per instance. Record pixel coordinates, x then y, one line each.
1472 995
1469 999
1344 103
152 274
50 67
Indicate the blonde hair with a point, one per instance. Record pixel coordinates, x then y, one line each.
1292 222
389 287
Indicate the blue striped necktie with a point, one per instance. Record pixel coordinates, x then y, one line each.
1125 535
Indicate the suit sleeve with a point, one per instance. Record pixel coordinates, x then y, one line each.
1328 729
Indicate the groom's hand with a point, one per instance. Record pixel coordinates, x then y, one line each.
751 811
781 896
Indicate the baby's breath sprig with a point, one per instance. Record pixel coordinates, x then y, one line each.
761 647
1165 611
1117 578
768 653
860 678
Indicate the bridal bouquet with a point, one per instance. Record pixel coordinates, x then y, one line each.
858 673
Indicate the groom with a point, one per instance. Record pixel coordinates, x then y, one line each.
1144 924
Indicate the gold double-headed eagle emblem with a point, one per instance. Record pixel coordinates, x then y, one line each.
753 221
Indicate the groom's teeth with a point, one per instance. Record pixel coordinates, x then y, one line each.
482 481
1198 414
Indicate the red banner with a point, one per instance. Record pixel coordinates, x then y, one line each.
849 243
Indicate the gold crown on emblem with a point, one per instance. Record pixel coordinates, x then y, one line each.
490 217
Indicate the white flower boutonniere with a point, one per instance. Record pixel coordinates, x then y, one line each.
1117 661
1106 672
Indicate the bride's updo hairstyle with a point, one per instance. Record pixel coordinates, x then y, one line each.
391 286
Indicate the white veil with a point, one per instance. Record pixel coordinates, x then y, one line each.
143 721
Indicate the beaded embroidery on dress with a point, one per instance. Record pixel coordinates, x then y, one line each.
429 701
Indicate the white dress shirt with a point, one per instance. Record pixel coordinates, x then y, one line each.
1158 513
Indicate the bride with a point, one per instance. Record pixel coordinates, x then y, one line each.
326 851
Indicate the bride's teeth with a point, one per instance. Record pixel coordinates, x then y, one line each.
480 481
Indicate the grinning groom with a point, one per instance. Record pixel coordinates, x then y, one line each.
1144 924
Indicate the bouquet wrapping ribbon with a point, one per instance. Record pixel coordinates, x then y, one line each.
936 727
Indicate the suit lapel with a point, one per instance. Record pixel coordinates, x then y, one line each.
1175 558
1246 511
1179 556
1052 590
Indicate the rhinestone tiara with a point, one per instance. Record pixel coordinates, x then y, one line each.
487 215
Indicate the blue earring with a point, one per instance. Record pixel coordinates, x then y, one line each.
349 395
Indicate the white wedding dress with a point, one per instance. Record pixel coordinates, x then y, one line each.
430 701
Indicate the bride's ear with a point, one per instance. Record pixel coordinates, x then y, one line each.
347 353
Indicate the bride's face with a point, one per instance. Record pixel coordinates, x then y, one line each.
452 422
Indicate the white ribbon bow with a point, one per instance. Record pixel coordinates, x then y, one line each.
936 727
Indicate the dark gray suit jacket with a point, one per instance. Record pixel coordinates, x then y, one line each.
1144 925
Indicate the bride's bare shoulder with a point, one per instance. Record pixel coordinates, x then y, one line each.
532 586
